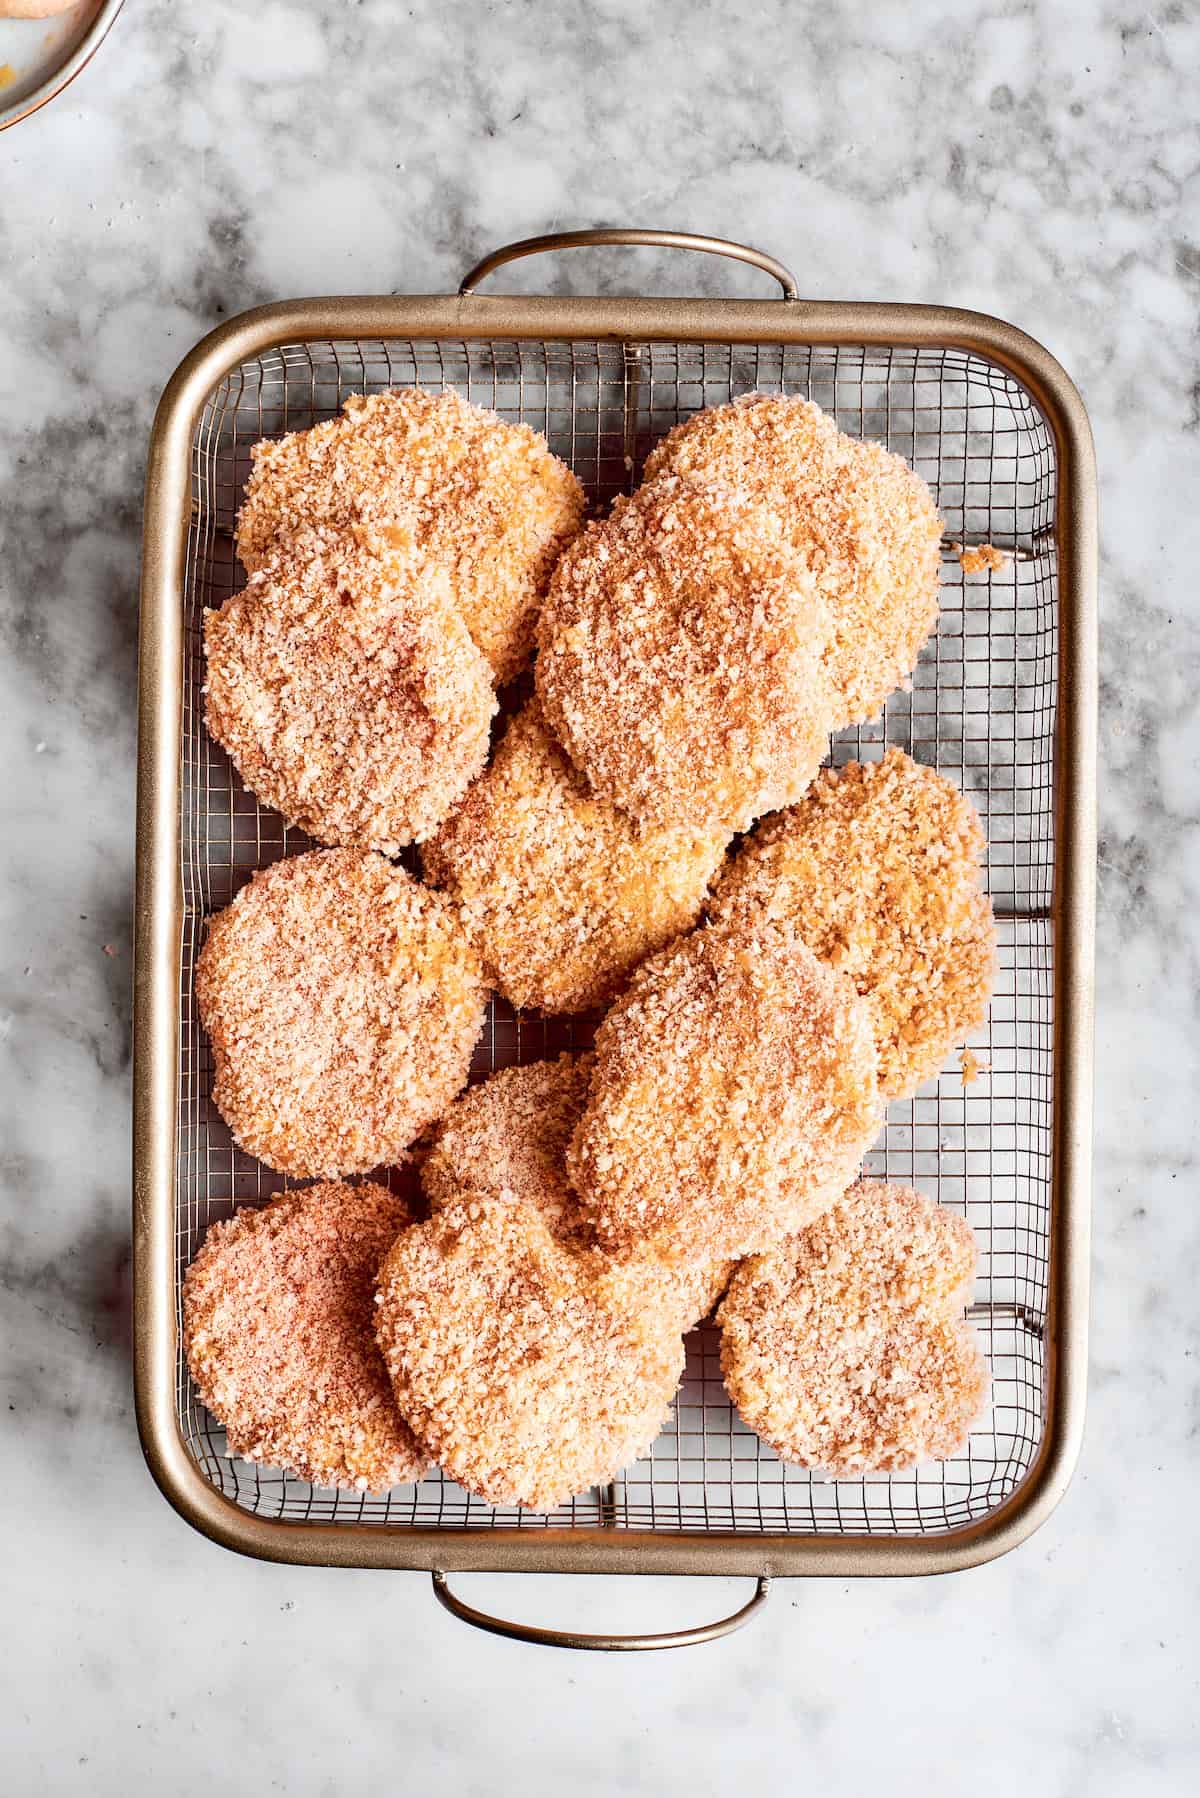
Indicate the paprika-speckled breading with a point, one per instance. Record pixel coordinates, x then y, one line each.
343 1001
482 497
508 1137
734 1095
862 521
682 659
523 1386
878 866
845 1347
278 1326
564 894
348 693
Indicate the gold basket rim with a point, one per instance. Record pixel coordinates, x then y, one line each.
158 909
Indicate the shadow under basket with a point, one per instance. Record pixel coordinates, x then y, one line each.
1002 701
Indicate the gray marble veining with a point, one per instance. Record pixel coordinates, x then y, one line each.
1036 160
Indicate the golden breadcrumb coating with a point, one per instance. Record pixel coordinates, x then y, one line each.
508 1137
564 894
845 1348
878 867
681 659
645 1293
483 498
861 519
347 691
343 1000
278 1315
526 1390
733 1098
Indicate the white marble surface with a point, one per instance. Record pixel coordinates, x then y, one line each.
1035 160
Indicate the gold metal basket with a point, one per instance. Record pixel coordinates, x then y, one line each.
1003 700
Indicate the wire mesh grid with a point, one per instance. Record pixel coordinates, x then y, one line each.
981 707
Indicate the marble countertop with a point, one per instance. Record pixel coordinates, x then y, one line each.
1038 161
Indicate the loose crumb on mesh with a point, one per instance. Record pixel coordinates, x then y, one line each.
278 1316
971 1067
563 892
978 557
505 1364
343 1000
845 1347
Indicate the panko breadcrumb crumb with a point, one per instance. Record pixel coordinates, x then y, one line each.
862 521
681 659
733 1098
343 1001
508 1137
278 1316
564 894
524 1387
878 867
978 557
347 691
483 498
845 1347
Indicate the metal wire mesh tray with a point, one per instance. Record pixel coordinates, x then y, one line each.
1002 700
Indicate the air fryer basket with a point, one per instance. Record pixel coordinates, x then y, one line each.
999 701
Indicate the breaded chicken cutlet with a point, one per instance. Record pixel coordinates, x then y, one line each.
733 1098
278 1327
681 659
348 693
878 866
563 893
525 1388
862 522
482 498
508 1138
343 1001
844 1347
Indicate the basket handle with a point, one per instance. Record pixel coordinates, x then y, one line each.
631 234
561 1638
